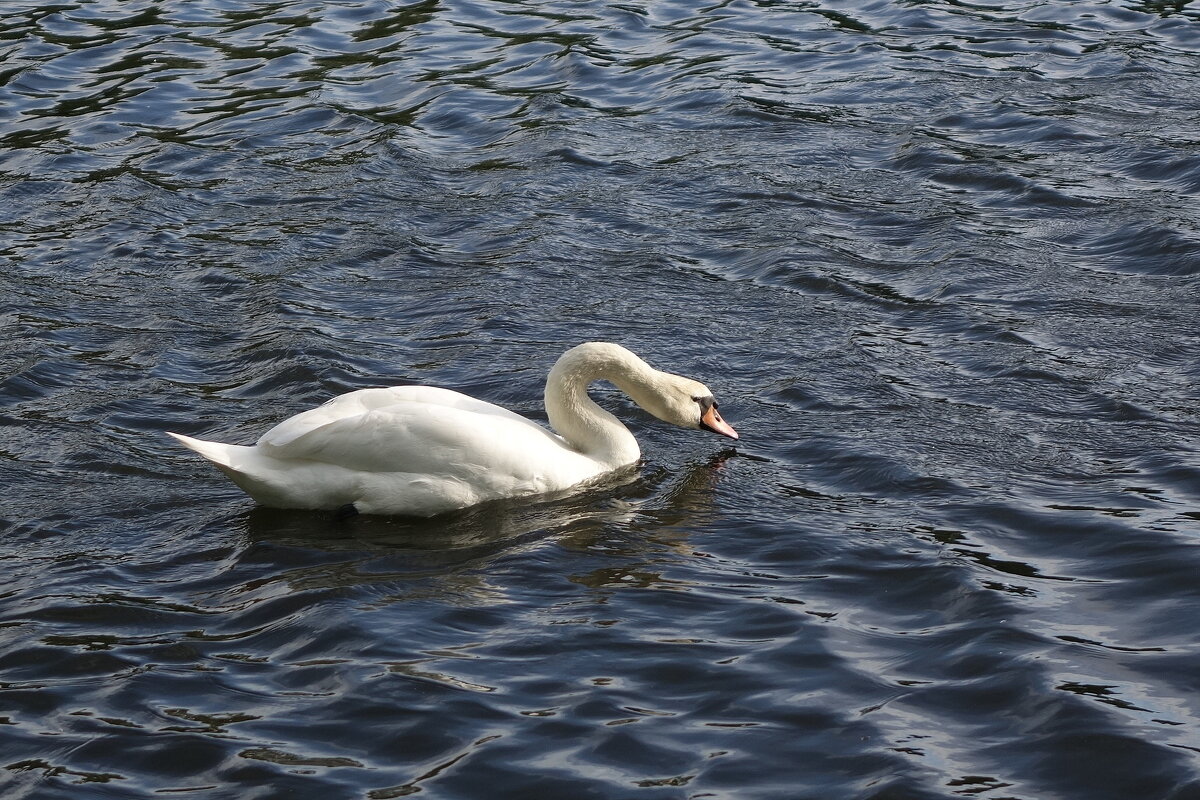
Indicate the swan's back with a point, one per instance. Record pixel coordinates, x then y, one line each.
455 436
412 449
395 398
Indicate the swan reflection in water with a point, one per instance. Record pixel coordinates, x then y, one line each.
445 556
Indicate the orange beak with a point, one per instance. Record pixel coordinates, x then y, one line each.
711 420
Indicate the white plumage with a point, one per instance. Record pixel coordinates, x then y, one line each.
423 450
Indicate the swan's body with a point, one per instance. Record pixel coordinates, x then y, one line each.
421 450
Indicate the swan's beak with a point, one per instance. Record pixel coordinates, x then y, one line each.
711 420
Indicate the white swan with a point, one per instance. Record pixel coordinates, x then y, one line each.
421 450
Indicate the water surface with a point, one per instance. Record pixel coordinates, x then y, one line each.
939 260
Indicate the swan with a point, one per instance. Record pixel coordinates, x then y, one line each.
422 450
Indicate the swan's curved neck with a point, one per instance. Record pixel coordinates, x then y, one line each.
575 416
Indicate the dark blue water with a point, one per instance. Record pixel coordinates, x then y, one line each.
939 260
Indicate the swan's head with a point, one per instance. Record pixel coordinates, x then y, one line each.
684 402
672 398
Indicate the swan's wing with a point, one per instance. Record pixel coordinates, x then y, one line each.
467 440
354 404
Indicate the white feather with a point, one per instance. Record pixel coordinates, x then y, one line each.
423 450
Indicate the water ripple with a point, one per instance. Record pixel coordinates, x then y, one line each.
938 259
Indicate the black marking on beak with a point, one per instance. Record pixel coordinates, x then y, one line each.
710 420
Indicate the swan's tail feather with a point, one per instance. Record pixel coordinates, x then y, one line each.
250 470
220 454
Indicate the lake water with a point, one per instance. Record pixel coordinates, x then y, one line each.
939 260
